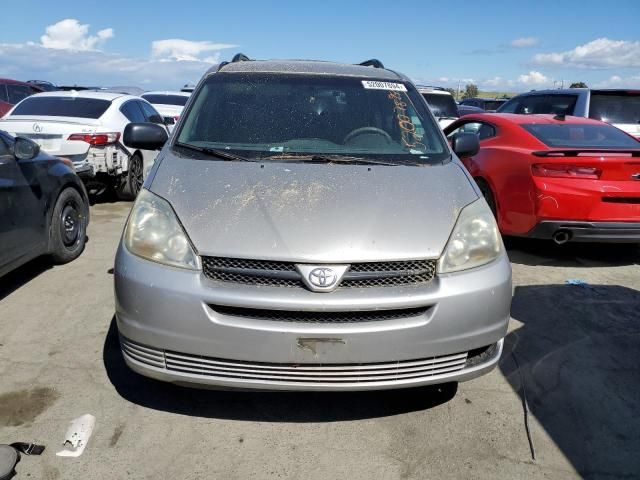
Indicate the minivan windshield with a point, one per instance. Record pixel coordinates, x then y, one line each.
278 116
615 107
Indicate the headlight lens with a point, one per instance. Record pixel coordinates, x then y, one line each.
475 239
153 232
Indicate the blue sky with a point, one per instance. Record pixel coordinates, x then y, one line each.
501 45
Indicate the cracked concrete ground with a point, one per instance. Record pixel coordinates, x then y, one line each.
578 348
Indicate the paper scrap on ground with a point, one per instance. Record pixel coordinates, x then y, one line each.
575 281
77 436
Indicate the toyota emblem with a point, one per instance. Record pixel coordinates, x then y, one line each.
37 127
322 277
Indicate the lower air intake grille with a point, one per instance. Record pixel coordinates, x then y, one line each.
319 317
300 374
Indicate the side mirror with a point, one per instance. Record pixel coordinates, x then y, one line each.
465 144
25 149
145 136
168 121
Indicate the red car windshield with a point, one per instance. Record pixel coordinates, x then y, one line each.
581 136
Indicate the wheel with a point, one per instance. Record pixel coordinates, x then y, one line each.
488 196
131 183
68 226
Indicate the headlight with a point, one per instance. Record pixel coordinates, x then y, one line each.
153 232
475 239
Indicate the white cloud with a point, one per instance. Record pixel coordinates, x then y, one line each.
172 63
70 34
187 50
598 54
616 81
93 67
533 78
524 42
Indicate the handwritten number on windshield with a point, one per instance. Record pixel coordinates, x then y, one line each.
410 138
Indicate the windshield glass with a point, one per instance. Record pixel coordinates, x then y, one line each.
442 106
492 105
62 107
265 115
615 107
180 100
582 136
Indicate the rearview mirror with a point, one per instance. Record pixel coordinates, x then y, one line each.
145 136
25 149
465 144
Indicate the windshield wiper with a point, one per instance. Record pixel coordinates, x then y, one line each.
334 159
214 152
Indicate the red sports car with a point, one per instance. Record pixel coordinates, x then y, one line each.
556 177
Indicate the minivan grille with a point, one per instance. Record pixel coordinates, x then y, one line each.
285 274
319 317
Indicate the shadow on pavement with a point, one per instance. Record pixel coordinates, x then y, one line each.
579 353
264 406
22 275
526 251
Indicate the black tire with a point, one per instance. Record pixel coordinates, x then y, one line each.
68 226
131 183
488 196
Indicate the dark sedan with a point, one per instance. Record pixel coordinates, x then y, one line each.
44 209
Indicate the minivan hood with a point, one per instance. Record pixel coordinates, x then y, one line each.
316 213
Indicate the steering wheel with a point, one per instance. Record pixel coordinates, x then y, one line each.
363 130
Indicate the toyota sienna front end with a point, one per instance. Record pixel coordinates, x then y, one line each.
308 227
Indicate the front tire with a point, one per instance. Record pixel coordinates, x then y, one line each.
68 226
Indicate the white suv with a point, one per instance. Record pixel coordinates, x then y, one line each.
86 127
441 103
168 104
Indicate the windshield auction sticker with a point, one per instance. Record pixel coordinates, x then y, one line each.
377 85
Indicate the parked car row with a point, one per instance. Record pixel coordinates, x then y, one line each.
87 126
308 225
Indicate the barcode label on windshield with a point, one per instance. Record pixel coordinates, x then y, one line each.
376 85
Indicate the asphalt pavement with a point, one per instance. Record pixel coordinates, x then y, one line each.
573 343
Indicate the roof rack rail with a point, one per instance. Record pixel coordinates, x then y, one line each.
374 62
240 57
431 87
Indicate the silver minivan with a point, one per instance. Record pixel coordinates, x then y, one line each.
309 227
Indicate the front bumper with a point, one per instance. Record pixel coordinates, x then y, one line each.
170 331
615 232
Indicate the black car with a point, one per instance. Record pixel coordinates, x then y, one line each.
486 104
44 208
